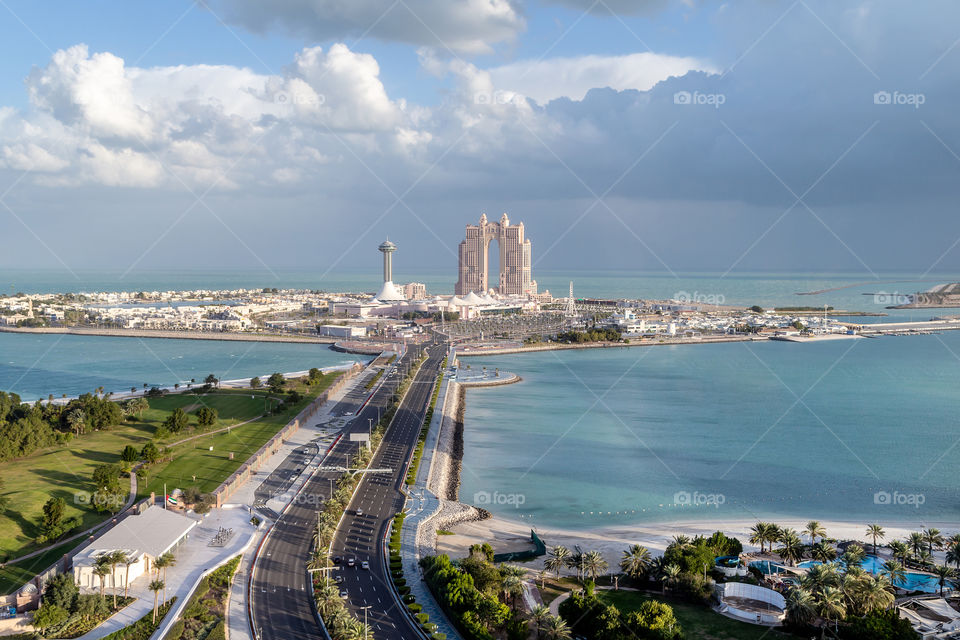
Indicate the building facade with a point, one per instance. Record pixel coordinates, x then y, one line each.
415 291
515 274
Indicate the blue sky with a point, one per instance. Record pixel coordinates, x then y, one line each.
171 134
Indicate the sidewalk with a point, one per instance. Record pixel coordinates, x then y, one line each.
238 621
421 506
195 558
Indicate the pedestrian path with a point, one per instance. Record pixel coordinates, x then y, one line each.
422 505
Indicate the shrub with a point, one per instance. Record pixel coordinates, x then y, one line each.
414 608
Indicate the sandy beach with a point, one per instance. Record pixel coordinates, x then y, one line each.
508 535
470 525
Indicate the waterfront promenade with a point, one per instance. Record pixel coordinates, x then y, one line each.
173 335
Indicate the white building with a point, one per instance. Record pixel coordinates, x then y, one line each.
338 331
143 537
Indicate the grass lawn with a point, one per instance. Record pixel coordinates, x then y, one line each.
13 576
698 622
194 465
553 588
65 471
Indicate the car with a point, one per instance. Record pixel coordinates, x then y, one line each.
364 565
338 579
351 562
348 413
359 513
337 559
344 594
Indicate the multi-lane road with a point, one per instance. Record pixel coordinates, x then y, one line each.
280 594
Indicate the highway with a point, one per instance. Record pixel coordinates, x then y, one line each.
280 595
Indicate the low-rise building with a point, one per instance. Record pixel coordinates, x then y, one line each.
143 537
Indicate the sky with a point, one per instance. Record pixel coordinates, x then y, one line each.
652 135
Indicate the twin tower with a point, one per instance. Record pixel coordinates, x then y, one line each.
516 274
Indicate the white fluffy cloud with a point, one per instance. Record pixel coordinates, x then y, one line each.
463 25
94 120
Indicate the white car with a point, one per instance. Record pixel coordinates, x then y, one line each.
364 565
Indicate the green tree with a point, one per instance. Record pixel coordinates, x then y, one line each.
207 417
49 616
51 522
156 586
556 560
176 421
314 376
211 380
876 532
815 529
4 498
276 382
150 453
130 454
255 382
61 590
101 569
635 561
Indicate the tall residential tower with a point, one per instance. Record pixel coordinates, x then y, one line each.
515 273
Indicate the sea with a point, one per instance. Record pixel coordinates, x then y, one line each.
854 430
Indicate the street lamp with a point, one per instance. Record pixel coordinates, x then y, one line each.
365 620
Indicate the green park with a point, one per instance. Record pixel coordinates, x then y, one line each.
192 440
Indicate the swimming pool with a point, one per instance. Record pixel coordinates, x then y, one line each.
874 565
766 567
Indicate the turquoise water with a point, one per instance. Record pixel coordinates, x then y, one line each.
854 430
912 581
37 365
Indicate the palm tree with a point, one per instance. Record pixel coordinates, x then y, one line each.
77 419
758 534
894 572
876 532
819 577
163 562
933 538
670 574
900 550
791 546
801 606
128 560
557 629
681 541
832 604
101 569
925 559
635 561
877 594
116 558
916 542
953 554
512 586
557 560
823 552
593 563
943 573
854 555
539 617
815 529
156 586
575 561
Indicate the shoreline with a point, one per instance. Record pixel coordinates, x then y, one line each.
466 352
509 535
472 525
173 335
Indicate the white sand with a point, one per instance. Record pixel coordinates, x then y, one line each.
507 535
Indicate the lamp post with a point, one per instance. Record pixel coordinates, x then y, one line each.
365 620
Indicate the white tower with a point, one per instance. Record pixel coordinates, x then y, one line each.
389 292
571 307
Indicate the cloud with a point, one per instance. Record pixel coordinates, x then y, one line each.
94 120
548 79
466 26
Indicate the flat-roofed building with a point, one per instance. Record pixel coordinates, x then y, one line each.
143 537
